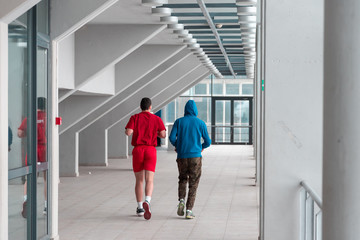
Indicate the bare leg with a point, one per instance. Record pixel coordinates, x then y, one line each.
139 185
149 179
25 188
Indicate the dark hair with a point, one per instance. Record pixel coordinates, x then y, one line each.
145 104
41 101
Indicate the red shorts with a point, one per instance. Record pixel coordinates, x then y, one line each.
41 154
144 158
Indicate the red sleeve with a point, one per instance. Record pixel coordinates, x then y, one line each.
161 126
23 125
131 123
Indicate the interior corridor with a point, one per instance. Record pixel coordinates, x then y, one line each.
100 204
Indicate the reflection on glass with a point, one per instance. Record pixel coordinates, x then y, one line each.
241 135
222 134
41 202
18 111
18 90
241 112
17 224
223 113
42 132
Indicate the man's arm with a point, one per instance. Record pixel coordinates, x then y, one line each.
173 134
21 133
128 131
162 134
205 136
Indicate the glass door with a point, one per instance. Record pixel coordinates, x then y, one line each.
28 126
19 128
231 120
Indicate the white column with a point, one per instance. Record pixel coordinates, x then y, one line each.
54 167
3 130
293 104
117 141
341 195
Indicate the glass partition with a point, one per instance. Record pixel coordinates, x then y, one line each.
28 124
18 97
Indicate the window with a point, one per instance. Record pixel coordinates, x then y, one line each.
170 112
218 89
247 89
200 89
232 89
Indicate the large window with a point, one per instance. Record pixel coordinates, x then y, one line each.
202 94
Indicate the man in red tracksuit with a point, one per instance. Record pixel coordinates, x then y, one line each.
145 127
41 144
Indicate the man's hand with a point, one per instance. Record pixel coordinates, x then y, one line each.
128 131
21 133
162 134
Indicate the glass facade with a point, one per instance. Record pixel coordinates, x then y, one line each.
230 116
28 46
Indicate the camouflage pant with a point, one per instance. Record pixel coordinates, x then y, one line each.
189 172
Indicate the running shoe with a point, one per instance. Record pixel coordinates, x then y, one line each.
140 211
181 207
189 214
146 206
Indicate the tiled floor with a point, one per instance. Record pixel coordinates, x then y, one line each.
100 204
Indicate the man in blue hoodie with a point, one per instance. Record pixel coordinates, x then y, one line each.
186 136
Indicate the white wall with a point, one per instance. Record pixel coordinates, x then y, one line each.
66 62
103 83
293 110
12 9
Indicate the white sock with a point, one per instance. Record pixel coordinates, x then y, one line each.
148 199
45 204
140 205
25 198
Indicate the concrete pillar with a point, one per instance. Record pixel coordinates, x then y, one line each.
341 197
68 154
93 145
118 141
292 111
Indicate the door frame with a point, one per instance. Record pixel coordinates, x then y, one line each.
232 99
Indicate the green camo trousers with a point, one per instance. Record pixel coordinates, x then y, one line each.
189 172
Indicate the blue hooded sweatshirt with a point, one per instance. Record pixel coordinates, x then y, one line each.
187 132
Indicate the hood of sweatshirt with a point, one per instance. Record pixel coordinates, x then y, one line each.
191 109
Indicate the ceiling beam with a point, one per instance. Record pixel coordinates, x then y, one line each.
213 28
